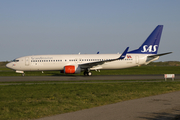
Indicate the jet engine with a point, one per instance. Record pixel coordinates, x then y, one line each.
71 69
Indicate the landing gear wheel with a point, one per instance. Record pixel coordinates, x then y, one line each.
89 74
85 73
23 74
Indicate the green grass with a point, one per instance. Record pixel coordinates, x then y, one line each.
128 71
152 68
29 101
39 100
142 70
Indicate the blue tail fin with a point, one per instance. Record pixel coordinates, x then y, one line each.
151 45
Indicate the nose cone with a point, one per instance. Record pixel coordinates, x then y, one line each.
9 65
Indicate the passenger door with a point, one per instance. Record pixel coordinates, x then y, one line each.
27 61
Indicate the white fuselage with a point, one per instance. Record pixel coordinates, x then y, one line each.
58 62
76 63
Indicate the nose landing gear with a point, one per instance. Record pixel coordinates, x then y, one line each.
23 74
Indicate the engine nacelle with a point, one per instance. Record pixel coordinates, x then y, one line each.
71 69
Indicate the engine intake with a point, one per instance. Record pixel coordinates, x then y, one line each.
71 69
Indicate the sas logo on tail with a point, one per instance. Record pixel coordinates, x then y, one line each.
150 48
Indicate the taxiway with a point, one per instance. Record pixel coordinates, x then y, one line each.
79 78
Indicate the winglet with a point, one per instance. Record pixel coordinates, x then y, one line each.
124 54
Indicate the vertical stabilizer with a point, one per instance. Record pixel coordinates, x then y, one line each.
151 45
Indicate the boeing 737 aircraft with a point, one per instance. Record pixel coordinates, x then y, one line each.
77 63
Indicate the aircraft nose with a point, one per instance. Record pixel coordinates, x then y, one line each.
9 65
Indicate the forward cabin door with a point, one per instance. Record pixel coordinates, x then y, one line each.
27 61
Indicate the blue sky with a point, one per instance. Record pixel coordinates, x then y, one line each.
87 26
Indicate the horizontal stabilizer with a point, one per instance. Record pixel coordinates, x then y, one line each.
155 57
160 54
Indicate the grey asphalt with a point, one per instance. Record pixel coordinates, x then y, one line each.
78 78
159 107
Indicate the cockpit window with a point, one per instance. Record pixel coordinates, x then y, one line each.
15 60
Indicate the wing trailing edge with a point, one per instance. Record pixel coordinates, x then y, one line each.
92 64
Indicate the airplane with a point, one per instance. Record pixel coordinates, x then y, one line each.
77 63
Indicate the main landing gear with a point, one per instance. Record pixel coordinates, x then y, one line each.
87 72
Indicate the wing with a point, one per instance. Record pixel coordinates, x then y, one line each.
92 64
